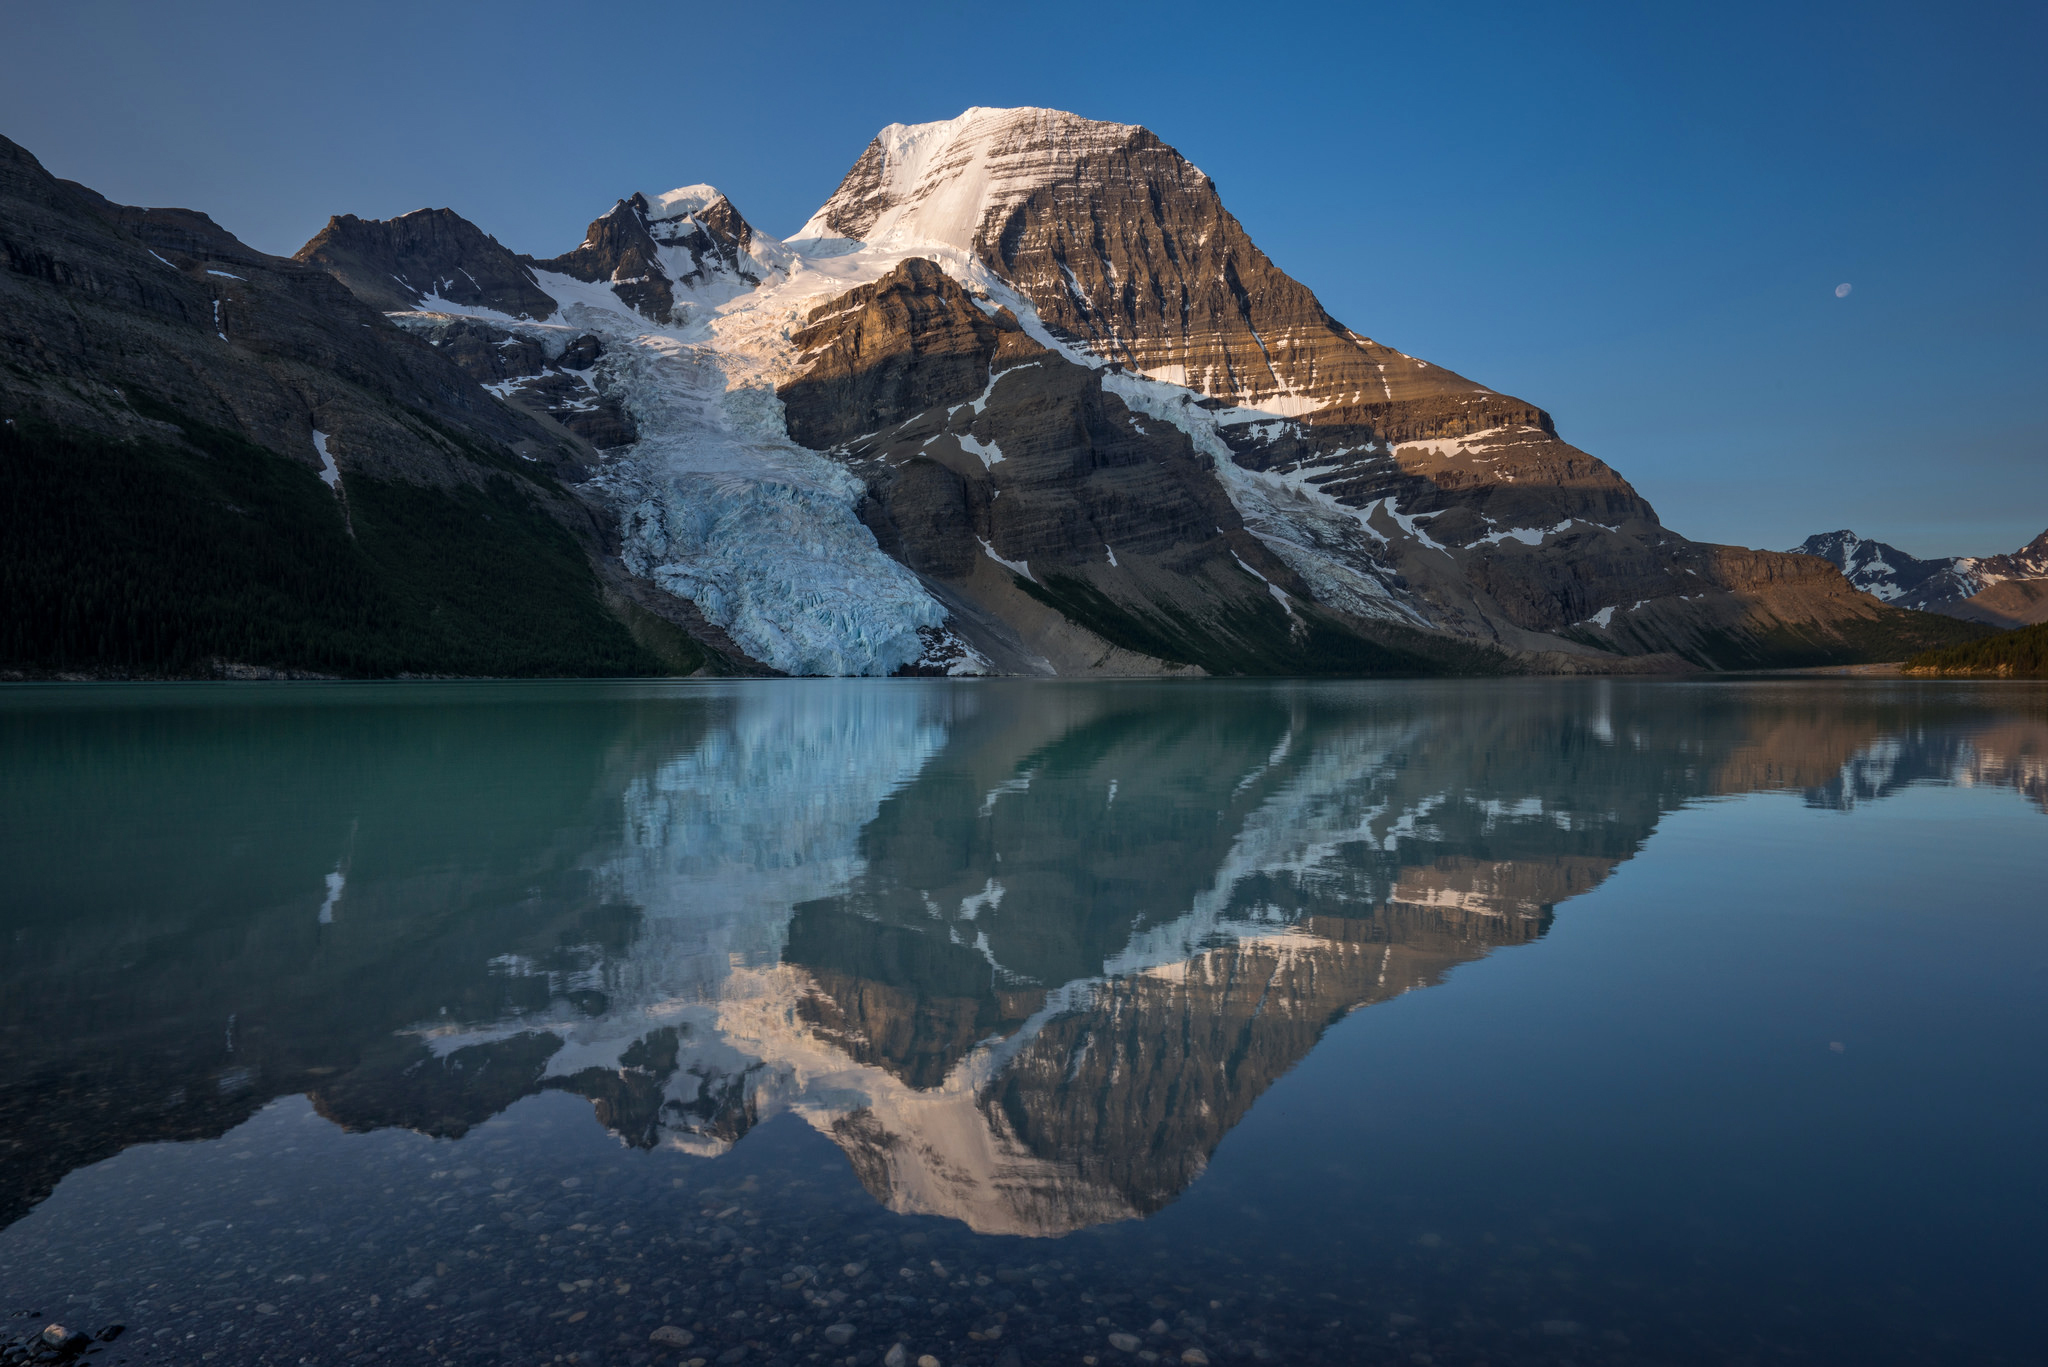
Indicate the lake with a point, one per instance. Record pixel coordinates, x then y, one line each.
1007 1022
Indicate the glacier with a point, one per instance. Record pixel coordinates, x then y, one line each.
716 505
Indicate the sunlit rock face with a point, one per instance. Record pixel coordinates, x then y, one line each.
1023 397
1025 954
1122 244
1392 489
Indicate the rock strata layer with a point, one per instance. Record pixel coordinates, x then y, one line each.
1393 486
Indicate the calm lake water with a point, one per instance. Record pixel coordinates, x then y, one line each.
1027 1023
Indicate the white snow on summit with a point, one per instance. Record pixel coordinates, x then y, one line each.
941 181
684 199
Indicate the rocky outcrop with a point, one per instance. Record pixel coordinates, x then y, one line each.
887 351
618 251
648 248
703 223
518 368
422 257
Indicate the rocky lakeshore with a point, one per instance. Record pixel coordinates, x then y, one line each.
469 1253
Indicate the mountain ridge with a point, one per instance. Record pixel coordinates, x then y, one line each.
2004 591
1004 470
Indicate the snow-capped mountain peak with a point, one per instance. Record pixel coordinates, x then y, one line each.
1890 574
942 182
684 199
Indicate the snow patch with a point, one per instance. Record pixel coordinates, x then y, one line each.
1528 536
988 452
330 473
1021 567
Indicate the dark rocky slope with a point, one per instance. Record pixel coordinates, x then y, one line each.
395 264
167 391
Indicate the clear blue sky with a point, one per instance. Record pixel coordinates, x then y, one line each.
1635 216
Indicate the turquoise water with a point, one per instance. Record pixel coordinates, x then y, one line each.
1014 1023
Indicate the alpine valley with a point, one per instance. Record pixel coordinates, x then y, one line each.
1020 398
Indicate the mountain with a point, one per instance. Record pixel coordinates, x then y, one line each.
1022 397
218 461
1038 364
1887 572
1389 487
1999 590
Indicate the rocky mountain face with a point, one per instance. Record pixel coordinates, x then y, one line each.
1022 397
1003 471
1389 485
649 247
426 255
224 460
2003 591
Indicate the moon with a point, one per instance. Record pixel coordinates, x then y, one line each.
1842 290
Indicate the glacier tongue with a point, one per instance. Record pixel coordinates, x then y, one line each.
716 504
721 508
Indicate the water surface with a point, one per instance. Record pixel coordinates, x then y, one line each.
1532 1022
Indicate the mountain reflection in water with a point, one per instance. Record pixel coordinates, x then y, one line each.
1026 953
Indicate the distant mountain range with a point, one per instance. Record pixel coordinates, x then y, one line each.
1999 590
1022 397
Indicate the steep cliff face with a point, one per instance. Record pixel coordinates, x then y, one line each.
222 459
1124 246
1393 487
1003 469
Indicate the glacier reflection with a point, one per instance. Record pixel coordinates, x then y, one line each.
1031 987
1024 952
